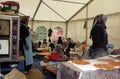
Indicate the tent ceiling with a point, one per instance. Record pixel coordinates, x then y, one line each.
50 10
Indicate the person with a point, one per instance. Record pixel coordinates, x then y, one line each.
99 37
60 40
39 43
78 48
26 44
52 46
44 43
70 44
56 56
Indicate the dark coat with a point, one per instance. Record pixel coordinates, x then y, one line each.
99 36
24 32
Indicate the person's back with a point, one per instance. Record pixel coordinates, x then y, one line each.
52 46
97 35
59 41
39 44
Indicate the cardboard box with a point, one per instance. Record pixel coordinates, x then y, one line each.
15 74
32 74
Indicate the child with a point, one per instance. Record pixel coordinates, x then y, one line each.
56 56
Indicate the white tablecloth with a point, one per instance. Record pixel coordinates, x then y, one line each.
69 70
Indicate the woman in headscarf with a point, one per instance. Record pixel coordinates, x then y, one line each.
99 37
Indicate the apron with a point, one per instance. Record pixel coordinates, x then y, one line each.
28 52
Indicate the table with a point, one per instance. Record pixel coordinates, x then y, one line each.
44 54
6 59
68 70
42 50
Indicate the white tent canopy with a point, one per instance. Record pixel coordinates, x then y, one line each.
66 10
50 10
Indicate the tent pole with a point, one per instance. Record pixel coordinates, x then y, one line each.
86 24
69 2
66 30
37 9
54 11
80 10
32 25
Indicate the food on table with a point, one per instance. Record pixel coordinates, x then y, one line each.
104 66
116 63
106 60
110 65
81 62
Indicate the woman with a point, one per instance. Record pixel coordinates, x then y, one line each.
26 44
99 37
